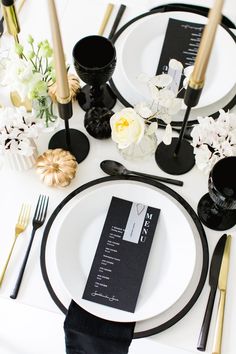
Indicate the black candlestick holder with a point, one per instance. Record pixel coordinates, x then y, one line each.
69 139
178 157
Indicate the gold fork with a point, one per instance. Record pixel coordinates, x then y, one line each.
22 222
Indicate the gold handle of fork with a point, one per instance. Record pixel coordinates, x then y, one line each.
21 225
7 261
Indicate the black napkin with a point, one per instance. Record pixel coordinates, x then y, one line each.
88 334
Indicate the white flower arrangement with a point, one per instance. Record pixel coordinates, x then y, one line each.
30 72
214 139
129 125
17 131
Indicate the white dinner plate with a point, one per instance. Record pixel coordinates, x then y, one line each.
171 261
139 48
151 193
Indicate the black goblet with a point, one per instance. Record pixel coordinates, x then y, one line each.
217 209
95 61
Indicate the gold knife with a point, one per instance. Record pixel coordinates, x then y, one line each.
222 286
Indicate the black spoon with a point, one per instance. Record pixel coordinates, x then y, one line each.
114 168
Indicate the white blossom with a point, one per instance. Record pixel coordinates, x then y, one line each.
214 139
17 129
168 135
187 73
161 81
175 64
126 125
143 110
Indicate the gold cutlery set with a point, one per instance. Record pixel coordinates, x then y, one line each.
21 225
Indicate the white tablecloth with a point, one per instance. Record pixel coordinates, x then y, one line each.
34 305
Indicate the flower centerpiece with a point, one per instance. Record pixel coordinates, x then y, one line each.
134 129
18 129
30 72
214 139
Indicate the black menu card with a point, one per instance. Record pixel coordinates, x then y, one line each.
118 267
182 40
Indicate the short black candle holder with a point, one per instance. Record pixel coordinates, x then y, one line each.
69 139
176 158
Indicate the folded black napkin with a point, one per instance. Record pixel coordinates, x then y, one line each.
88 334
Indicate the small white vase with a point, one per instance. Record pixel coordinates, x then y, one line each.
19 162
146 147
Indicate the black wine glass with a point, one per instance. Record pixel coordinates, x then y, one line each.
217 209
95 61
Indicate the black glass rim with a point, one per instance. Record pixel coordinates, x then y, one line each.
163 9
104 39
173 194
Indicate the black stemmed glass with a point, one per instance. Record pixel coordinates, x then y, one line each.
217 209
95 61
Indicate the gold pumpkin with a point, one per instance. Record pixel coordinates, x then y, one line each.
74 86
56 167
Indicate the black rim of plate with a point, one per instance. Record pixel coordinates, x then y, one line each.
163 9
173 194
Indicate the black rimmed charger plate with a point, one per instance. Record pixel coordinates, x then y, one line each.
182 306
229 100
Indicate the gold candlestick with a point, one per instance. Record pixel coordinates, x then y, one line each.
68 139
63 92
198 75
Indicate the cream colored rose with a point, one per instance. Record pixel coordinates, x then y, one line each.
127 127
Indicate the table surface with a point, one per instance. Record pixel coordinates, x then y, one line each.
33 320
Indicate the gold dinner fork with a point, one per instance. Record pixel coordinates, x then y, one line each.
22 222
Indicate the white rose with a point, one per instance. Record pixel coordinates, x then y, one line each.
127 127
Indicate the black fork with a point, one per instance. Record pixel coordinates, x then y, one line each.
38 220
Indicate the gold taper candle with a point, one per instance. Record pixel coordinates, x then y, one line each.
198 76
63 92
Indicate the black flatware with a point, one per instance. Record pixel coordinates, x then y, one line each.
213 281
117 20
114 168
38 220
